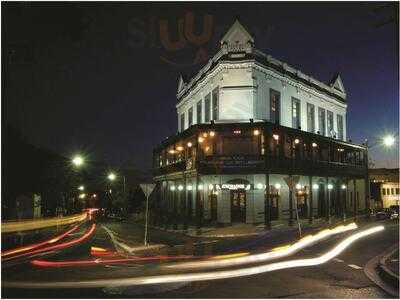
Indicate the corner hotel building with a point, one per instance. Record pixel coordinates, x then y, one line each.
248 124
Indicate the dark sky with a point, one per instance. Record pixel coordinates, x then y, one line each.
100 79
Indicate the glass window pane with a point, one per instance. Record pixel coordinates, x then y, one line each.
199 112
321 121
182 122
190 117
215 99
331 131
207 108
296 113
310 118
275 106
340 127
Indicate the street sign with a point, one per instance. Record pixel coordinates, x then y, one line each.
291 181
147 188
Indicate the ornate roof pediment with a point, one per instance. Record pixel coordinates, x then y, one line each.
237 39
337 83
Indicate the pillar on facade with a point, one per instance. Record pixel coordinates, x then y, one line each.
167 203
290 206
267 204
184 204
175 206
328 201
198 206
355 204
311 204
343 200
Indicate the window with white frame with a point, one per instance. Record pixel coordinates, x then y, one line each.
340 127
190 117
199 110
296 119
321 121
215 104
330 123
310 117
207 103
182 122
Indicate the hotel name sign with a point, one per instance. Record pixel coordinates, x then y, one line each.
233 186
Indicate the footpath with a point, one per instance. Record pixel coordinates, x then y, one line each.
128 237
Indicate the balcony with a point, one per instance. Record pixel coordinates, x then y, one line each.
258 148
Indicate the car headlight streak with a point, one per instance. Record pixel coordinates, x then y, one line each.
274 254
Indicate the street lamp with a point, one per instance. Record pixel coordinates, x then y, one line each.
78 160
388 141
81 188
111 176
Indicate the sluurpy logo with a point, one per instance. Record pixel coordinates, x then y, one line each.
186 40
178 42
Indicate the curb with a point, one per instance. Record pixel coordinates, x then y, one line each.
386 274
373 271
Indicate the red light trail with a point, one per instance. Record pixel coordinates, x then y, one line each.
86 235
38 245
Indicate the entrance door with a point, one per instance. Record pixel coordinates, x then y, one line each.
238 206
274 199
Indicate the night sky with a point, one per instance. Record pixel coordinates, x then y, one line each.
99 79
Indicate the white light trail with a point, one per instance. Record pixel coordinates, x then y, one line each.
190 277
306 241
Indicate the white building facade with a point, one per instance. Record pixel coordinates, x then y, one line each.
258 141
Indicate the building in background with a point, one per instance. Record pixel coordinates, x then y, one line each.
250 126
385 187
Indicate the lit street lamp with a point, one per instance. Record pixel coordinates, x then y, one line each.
78 160
81 188
111 176
387 141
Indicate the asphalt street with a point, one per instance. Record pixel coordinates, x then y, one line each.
341 277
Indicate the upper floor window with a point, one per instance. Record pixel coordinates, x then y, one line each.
383 191
190 117
199 112
340 127
310 117
183 122
296 119
331 131
215 104
321 121
275 104
207 101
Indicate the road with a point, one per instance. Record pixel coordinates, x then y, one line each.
341 277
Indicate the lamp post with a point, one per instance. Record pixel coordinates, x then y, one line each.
387 141
78 162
